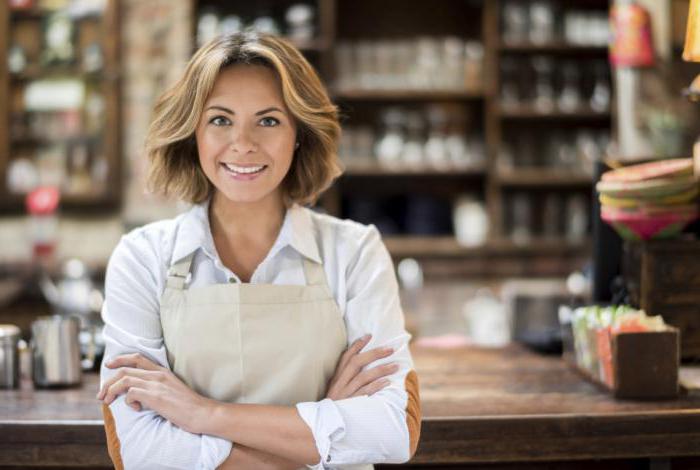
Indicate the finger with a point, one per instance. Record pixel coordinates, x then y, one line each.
356 363
355 348
135 360
122 386
370 375
372 388
372 355
133 403
127 371
137 398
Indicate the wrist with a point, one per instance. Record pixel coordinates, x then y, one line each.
205 415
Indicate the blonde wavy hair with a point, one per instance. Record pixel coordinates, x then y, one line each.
171 146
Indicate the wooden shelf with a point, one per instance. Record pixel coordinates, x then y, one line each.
530 112
314 45
543 177
556 47
107 140
374 168
447 246
56 72
45 141
35 14
14 203
406 95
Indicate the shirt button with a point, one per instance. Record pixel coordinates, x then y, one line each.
328 459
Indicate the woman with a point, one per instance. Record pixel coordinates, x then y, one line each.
238 334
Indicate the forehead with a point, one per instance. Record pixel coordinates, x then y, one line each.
247 84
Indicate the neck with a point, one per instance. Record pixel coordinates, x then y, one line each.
260 220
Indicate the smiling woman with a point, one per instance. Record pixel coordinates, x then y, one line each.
246 152
291 85
250 331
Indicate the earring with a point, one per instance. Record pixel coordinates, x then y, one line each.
296 146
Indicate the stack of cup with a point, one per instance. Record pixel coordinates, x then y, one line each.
650 200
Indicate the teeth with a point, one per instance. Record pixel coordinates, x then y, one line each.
244 169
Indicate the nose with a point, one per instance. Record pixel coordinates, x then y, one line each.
242 142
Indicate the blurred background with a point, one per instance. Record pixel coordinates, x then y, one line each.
474 133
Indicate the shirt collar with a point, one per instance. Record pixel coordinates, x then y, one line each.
195 232
303 237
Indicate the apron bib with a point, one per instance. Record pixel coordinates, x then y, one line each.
253 343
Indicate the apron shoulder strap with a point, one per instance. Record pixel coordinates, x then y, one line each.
315 275
179 272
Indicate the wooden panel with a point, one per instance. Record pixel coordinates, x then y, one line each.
663 278
54 444
4 97
112 142
369 19
479 406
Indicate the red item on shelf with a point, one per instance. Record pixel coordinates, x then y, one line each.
631 44
42 205
43 200
21 4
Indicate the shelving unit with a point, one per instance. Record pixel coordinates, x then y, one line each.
538 177
372 168
100 146
530 112
349 21
405 95
558 47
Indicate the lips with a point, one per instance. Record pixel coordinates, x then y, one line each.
238 172
243 169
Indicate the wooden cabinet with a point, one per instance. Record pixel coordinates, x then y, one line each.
358 50
60 106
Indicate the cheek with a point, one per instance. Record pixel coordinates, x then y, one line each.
208 147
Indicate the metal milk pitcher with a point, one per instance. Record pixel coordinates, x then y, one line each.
56 351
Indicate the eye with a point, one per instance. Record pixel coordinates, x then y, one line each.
220 121
269 122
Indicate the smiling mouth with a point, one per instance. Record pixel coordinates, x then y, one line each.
243 170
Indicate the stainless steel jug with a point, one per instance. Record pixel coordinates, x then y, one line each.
56 351
9 357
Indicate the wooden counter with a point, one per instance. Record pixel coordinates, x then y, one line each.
479 406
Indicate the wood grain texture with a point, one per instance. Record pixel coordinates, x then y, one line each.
4 97
479 407
511 405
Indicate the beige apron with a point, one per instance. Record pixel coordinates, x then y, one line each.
253 343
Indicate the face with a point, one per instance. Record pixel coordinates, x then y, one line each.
246 135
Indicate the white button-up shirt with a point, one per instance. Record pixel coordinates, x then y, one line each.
359 270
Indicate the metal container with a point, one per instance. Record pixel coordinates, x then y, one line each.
9 356
56 351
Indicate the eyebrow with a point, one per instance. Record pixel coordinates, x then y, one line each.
226 110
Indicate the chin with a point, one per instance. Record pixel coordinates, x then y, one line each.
245 197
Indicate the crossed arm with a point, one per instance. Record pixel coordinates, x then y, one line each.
265 436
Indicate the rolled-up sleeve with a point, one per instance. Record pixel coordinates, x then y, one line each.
144 439
384 427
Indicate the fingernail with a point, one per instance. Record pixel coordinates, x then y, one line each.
366 337
388 350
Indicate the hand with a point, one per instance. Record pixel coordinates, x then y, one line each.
350 380
149 385
242 457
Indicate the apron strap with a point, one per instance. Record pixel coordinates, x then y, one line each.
179 272
314 273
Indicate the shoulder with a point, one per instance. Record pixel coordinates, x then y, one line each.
150 245
345 235
350 246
